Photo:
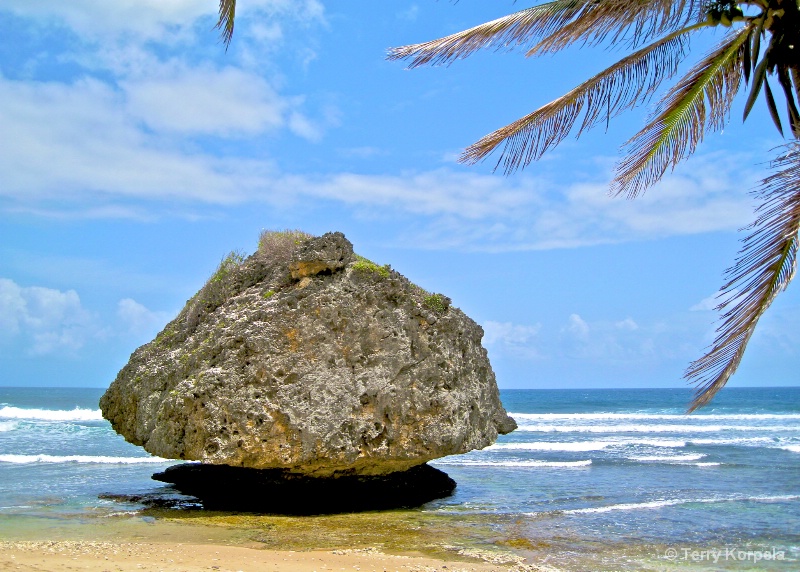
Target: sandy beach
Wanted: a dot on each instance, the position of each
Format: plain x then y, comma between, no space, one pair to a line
169,557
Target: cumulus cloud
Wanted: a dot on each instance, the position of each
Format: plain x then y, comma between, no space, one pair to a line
76,142
617,342
613,341
88,145
51,321
516,339
148,20
126,138
706,304
627,324
48,321
577,326
177,99
138,319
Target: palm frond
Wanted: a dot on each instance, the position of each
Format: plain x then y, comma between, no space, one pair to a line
555,25
635,21
516,29
699,102
622,86
784,78
765,266
227,15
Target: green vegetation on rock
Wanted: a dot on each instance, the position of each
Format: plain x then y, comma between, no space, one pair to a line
365,265
227,265
436,302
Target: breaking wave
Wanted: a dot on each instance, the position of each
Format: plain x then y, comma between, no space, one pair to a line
77,414
105,460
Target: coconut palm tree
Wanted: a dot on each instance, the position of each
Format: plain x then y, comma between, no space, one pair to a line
763,43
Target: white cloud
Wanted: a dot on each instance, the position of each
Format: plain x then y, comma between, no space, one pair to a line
512,338
730,299
706,304
577,326
84,145
627,324
202,100
50,320
612,341
126,146
145,20
52,158
440,192
626,341
76,142
138,319
12,307
608,342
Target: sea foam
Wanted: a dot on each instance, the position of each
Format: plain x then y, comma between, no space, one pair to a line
548,446
105,460
674,502
660,416
668,458
645,428
481,463
77,414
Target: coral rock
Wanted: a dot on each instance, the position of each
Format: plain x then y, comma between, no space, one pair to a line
321,367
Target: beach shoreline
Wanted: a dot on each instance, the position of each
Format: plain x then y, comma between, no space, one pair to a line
173,557
231,542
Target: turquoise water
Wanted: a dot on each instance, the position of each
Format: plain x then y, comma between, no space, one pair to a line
619,475
629,467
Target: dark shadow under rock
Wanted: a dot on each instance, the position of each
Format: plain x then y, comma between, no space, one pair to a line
222,487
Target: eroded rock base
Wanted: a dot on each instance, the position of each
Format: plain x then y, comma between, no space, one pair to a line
240,489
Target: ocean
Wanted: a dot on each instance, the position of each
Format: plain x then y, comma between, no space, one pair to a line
602,479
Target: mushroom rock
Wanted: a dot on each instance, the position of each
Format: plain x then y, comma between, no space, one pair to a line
309,359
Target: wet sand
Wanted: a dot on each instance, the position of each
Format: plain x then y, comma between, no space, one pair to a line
229,542
173,557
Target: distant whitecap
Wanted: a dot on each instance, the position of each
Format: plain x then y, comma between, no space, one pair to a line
77,414
480,463
105,460
668,458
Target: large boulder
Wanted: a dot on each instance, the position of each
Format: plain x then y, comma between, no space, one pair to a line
308,358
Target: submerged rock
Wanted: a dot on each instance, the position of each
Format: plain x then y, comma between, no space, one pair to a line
307,358
220,487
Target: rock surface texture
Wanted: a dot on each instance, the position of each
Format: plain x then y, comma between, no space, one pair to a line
308,358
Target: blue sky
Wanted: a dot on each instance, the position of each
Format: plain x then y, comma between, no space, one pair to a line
135,153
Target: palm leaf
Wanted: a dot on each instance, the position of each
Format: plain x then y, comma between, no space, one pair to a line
773,109
227,15
619,87
759,79
637,21
700,101
557,24
765,266
515,29
794,115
